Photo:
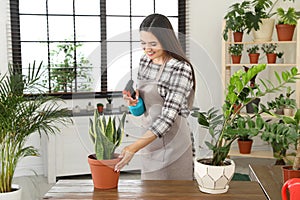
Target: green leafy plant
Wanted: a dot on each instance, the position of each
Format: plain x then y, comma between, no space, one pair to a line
106,135
269,48
236,49
287,17
224,127
280,54
253,49
66,71
21,117
235,18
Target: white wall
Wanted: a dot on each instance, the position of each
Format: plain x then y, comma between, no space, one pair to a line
3,46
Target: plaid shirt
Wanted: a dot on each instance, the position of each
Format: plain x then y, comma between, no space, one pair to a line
174,87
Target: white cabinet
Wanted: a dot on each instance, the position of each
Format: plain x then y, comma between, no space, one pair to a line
67,152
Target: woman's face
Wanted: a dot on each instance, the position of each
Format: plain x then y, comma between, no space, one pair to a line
152,47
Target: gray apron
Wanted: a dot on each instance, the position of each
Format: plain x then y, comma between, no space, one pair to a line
169,157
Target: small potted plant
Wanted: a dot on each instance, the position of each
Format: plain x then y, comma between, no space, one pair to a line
235,21
100,107
280,58
270,50
253,54
106,134
224,129
236,51
286,23
289,104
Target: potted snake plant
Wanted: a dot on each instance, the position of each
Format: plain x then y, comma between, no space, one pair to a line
106,134
224,128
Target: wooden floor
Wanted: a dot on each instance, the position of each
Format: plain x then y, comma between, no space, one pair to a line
152,190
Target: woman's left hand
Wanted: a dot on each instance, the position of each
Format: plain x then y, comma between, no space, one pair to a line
126,156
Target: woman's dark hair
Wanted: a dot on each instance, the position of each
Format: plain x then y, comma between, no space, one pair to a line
160,26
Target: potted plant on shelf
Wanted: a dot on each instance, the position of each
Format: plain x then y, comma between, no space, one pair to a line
100,107
270,50
253,54
109,105
106,134
280,59
222,127
23,114
286,23
236,51
235,21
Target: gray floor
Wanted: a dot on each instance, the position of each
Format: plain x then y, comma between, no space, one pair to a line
34,187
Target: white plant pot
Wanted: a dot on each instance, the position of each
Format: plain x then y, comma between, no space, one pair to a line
280,60
14,195
109,106
288,111
265,32
213,179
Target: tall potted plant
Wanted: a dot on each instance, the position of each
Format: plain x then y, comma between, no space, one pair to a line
106,135
22,116
222,127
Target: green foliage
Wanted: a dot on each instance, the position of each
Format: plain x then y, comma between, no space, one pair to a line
235,18
287,17
269,48
280,54
236,49
21,116
106,135
253,49
225,127
66,68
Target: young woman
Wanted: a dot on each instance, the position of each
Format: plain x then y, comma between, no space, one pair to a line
166,84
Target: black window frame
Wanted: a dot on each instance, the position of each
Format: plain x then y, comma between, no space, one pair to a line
17,54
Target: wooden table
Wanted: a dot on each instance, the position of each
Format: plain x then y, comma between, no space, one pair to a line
156,190
270,179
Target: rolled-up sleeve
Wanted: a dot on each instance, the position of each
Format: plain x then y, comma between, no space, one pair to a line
175,91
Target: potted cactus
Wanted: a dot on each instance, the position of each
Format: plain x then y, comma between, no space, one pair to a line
106,134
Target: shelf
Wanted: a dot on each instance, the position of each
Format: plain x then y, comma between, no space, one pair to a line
269,65
254,153
252,42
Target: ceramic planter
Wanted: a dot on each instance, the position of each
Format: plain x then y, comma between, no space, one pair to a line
103,174
265,32
288,111
285,32
16,194
289,173
245,146
213,179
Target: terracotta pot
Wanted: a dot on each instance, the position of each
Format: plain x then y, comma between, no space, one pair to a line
100,109
271,57
236,59
238,36
289,173
236,108
245,146
253,57
103,174
285,32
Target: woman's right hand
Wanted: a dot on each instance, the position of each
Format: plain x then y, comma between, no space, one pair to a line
127,97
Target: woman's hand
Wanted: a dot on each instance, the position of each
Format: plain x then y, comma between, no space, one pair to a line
129,99
126,156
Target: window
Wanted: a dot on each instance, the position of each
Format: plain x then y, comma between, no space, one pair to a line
85,46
